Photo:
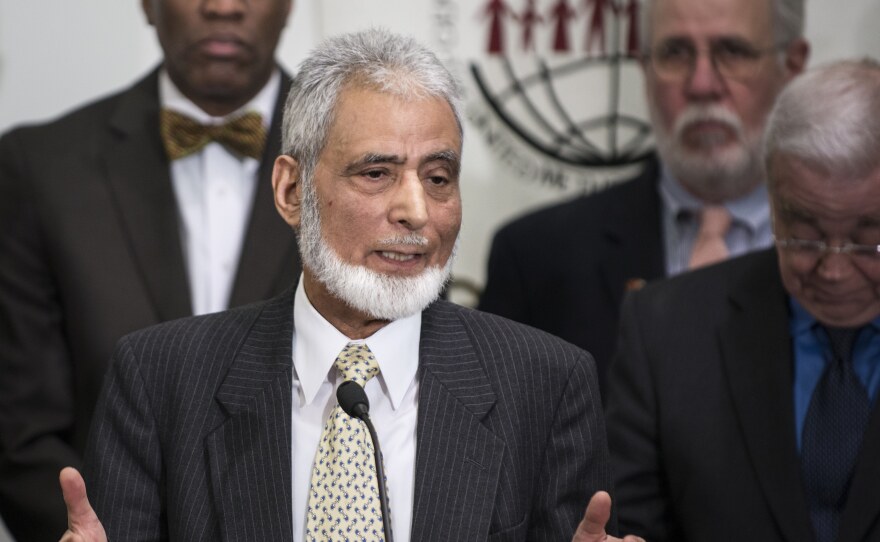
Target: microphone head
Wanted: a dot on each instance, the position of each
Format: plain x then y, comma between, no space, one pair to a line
353,399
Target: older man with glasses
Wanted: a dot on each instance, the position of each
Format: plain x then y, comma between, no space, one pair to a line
742,402
713,69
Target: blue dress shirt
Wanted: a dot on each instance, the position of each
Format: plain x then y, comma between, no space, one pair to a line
812,352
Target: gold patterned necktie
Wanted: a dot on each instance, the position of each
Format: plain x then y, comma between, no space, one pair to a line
182,135
344,492
710,247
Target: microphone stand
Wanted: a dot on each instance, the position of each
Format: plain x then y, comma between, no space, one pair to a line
353,400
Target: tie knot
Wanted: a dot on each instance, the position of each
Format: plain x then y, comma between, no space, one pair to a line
357,363
842,340
714,221
182,135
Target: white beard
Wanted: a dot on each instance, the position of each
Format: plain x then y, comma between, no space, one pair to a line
384,297
712,174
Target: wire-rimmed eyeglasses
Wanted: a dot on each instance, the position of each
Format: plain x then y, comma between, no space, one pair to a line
732,58
817,249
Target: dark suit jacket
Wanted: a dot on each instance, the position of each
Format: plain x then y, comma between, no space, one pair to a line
90,246
700,414
564,269
192,434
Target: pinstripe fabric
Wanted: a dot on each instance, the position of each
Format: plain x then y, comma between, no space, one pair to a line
511,441
191,440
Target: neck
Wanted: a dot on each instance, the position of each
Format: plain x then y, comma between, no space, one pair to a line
220,100
352,323
721,190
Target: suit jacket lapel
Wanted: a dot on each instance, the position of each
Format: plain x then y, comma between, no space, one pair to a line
140,183
249,454
634,246
458,459
267,251
755,347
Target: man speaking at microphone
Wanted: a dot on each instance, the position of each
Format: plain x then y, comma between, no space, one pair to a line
227,427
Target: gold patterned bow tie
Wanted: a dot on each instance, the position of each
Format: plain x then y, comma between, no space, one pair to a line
182,136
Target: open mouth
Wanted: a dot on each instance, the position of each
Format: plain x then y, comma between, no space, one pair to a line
398,256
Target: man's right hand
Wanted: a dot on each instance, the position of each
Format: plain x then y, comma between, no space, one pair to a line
82,522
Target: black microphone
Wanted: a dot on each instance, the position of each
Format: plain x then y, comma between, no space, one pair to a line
353,400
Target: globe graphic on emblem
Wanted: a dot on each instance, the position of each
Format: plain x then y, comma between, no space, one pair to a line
583,106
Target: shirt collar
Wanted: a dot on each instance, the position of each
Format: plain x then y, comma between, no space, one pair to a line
170,97
804,322
316,344
750,210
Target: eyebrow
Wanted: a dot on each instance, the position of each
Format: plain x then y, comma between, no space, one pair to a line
449,156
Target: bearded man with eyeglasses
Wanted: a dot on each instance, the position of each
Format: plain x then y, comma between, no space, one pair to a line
742,401
712,69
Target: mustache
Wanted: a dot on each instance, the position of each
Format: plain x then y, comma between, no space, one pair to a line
411,239
703,113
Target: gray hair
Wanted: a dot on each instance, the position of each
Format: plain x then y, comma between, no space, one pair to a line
829,118
375,59
788,22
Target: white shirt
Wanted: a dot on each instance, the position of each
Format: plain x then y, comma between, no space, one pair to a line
215,191
393,396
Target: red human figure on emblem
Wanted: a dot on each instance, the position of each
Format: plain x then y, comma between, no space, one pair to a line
596,28
496,10
528,19
561,13
632,38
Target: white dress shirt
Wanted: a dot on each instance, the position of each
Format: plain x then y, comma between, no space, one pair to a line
393,396
215,191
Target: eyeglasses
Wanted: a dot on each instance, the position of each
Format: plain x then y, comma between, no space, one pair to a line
817,249
732,58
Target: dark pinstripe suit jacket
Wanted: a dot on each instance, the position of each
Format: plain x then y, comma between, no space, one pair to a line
192,433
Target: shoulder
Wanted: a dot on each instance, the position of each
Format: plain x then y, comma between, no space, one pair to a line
77,125
215,338
710,286
501,342
582,214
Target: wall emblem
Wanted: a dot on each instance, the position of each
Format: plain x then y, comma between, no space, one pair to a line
557,88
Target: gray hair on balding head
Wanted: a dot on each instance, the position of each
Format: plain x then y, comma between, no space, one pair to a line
829,118
372,59
788,22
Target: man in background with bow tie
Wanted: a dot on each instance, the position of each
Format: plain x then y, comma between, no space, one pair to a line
152,204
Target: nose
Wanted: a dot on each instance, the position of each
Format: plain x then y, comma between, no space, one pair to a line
705,82
223,8
834,266
409,205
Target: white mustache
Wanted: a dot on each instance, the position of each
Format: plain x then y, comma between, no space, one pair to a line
702,113
412,239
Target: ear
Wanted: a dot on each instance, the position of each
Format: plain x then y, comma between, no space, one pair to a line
150,11
287,189
796,56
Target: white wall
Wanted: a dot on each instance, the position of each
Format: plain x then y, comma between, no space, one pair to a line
56,54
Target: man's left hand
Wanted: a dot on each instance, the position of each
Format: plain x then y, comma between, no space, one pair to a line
592,527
